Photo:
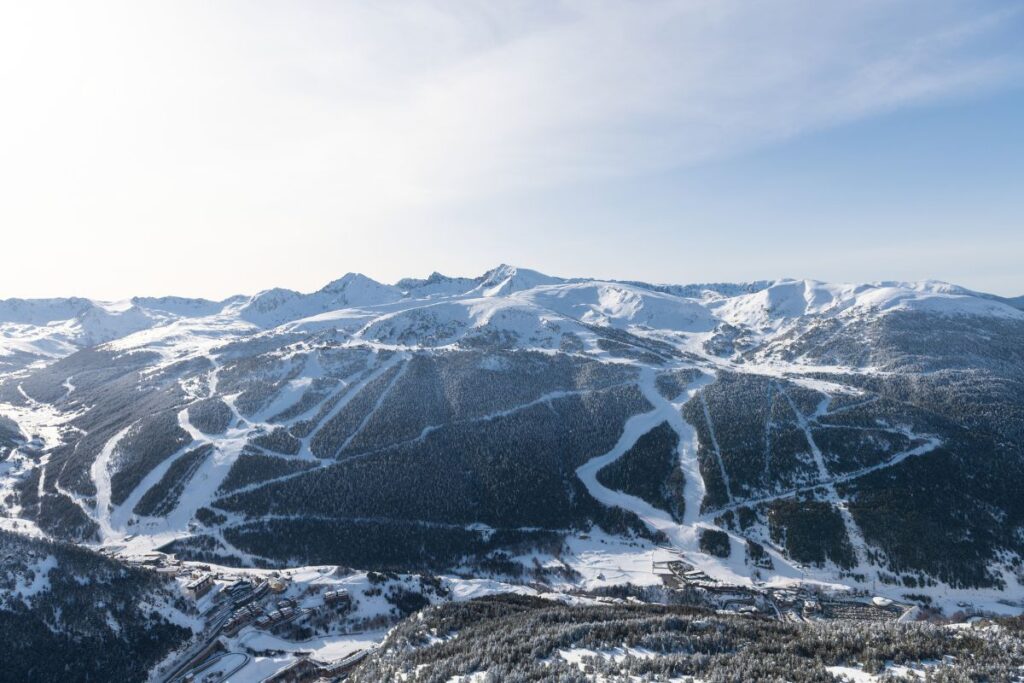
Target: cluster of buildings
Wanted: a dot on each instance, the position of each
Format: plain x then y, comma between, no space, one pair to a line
230,601
679,574
286,611
244,596
165,566
240,617
239,599
281,612
244,590
795,603
239,590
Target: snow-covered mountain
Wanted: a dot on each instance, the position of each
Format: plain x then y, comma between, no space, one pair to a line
506,301
850,433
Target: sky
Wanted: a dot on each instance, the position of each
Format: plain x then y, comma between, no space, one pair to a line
211,148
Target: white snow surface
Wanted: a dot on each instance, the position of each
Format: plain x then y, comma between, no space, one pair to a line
786,300
523,302
36,579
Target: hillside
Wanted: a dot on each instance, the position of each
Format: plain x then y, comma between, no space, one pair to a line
68,614
532,639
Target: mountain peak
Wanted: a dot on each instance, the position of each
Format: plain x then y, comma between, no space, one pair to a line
505,279
506,270
348,280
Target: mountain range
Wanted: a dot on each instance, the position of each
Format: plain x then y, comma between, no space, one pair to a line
502,425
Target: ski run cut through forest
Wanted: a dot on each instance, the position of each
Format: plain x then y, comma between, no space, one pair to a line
515,476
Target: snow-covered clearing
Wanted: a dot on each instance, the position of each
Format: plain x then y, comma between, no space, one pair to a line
27,587
855,674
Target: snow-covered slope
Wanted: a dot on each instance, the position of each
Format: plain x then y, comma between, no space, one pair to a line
437,285
788,300
72,614
624,306
507,279
276,306
519,304
287,425
46,329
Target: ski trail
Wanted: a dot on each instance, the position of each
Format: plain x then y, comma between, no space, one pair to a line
75,498
819,460
117,521
214,376
858,428
123,513
205,481
42,427
32,402
926,447
546,399
671,412
635,427
248,558
100,473
714,444
683,537
852,406
852,530
377,404
348,392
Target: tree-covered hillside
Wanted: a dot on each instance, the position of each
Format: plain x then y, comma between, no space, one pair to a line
68,614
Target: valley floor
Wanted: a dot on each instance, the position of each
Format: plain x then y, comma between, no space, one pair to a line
319,638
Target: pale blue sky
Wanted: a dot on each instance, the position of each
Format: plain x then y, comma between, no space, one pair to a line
207,149
931,192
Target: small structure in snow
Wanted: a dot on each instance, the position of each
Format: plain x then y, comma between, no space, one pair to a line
337,597
200,587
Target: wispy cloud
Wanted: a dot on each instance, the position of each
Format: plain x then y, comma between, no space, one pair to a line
121,114
427,101
587,89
